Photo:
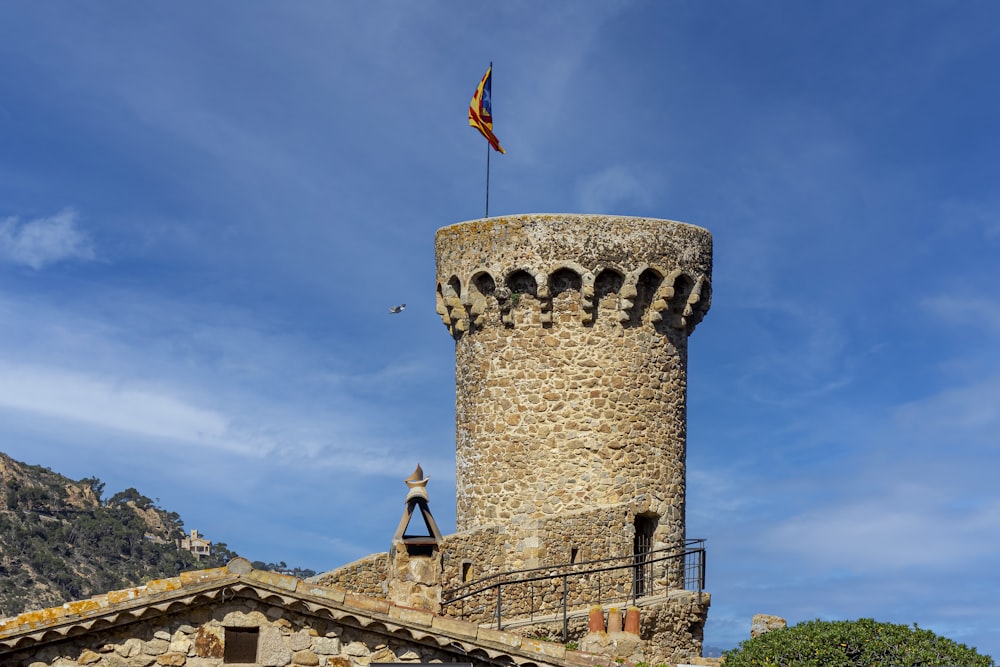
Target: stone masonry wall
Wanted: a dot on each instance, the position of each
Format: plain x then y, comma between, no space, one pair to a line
672,630
366,576
196,638
571,353
472,555
596,535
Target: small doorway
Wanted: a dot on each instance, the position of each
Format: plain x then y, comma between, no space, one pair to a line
642,577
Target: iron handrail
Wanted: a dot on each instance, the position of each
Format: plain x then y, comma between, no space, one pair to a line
692,559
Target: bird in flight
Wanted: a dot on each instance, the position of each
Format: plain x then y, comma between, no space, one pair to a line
397,309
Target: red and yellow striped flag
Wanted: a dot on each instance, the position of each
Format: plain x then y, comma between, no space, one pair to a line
480,110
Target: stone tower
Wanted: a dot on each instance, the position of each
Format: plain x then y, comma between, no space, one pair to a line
571,379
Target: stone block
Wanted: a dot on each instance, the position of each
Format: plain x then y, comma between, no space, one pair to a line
366,603
548,649
284,581
411,616
326,645
305,658
163,585
454,627
272,650
509,639
763,623
333,593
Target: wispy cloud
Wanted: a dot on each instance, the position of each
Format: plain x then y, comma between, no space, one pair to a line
980,312
189,377
970,413
108,403
904,527
42,241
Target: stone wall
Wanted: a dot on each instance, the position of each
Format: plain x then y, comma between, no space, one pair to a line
472,555
671,630
366,576
581,538
675,631
197,638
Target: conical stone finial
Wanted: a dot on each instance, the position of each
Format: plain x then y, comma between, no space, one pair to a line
417,484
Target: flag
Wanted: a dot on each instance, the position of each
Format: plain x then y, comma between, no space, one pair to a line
480,110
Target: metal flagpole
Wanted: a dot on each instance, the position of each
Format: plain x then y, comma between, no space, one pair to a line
487,179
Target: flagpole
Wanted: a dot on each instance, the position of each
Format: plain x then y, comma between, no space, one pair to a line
488,150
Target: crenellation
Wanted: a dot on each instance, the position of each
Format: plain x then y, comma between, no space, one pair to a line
582,292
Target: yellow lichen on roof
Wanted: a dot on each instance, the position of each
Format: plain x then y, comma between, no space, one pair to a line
199,576
39,617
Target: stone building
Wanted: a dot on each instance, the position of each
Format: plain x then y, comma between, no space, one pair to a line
196,543
571,383
238,615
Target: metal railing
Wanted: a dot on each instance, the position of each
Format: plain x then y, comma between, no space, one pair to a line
554,589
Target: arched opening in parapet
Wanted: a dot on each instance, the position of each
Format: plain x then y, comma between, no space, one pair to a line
678,303
521,285
439,297
564,290
674,322
448,305
522,282
645,291
564,280
642,545
607,286
607,282
484,283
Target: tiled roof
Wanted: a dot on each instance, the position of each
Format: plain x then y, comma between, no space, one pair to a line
199,587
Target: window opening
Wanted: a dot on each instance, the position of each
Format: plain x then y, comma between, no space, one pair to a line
241,645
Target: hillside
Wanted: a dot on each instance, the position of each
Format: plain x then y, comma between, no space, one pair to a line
60,541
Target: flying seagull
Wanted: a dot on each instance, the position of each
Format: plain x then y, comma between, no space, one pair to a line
397,309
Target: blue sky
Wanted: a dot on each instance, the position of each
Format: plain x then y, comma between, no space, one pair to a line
206,210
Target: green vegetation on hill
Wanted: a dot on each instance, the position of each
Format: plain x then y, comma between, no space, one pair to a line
860,643
60,541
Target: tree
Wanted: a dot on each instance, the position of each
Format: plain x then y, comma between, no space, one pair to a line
860,643
96,486
130,495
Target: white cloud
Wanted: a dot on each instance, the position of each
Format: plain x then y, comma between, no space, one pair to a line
128,407
42,241
905,526
107,403
972,311
969,414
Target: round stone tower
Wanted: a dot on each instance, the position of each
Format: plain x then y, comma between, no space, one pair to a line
571,374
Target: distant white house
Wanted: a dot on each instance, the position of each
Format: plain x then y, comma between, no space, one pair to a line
196,544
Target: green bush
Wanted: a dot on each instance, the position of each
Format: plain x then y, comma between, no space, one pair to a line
860,643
